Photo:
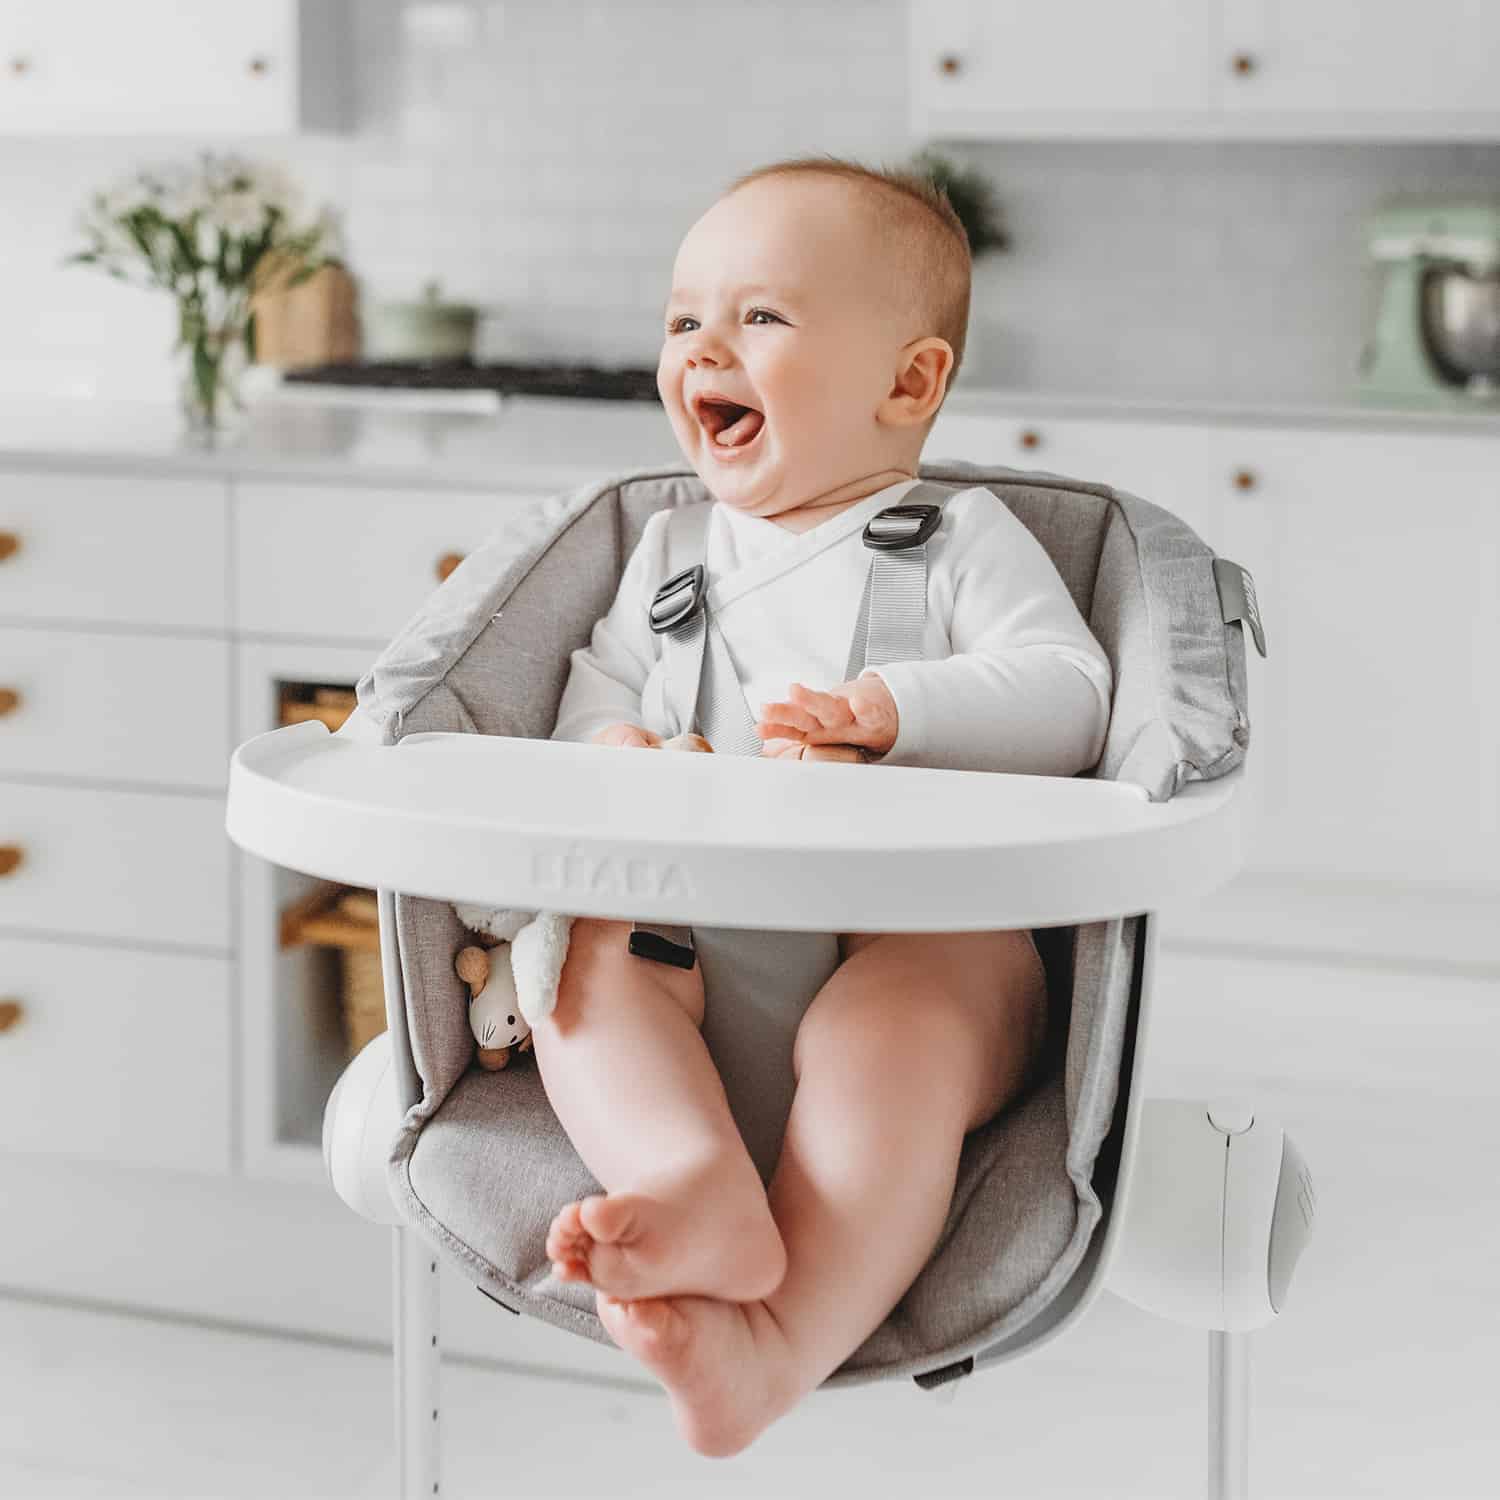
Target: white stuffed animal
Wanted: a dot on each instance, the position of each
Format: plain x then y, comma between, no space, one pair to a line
513,985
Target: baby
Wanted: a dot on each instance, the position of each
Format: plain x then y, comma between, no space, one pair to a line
816,317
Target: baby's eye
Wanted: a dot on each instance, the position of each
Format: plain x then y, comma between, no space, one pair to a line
764,312
675,325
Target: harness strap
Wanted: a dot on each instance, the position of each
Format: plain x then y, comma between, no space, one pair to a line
892,620
703,688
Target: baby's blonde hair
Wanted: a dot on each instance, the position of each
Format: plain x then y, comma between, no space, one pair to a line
927,238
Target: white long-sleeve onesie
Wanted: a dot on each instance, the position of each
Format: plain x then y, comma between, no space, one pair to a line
1012,679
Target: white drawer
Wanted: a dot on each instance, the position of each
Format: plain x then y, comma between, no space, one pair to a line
1192,470
116,1054
95,548
350,564
131,866
141,708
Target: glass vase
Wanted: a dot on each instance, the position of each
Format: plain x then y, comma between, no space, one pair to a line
213,362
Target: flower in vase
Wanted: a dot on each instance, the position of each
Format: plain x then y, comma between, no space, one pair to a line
213,233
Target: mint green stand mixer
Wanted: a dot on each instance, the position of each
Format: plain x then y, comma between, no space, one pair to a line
1436,337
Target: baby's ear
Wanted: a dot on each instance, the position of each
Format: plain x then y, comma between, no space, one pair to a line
921,381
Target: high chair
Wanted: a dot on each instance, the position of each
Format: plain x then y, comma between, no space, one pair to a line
443,787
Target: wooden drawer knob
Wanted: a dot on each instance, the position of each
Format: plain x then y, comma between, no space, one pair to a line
20,66
446,564
11,856
10,544
1030,438
949,65
11,1011
259,66
1243,64
10,701
1244,479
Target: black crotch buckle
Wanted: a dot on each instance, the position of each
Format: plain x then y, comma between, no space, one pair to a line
678,599
900,527
662,945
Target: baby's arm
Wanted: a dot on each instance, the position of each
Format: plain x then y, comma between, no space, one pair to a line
1027,688
602,698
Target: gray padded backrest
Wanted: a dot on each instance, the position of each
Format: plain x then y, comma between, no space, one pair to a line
481,1165
1140,577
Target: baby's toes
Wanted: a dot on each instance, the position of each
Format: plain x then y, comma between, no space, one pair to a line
610,1219
567,1239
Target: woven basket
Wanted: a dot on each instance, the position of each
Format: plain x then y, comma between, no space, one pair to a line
363,997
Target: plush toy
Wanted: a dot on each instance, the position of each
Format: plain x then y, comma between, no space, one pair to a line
511,990
494,1011
513,983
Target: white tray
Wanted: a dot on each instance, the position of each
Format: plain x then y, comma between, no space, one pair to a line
724,841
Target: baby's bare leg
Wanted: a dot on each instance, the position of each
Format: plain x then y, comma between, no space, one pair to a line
914,1041
627,1073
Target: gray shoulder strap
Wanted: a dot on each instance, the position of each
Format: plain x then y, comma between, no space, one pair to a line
703,689
892,620
687,534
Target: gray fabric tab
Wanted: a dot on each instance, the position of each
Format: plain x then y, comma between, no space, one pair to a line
1237,599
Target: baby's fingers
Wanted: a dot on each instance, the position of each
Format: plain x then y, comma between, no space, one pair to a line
789,719
831,710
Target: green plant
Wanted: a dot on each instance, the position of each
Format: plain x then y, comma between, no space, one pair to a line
213,234
973,199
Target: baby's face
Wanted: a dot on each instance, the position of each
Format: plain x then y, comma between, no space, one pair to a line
782,310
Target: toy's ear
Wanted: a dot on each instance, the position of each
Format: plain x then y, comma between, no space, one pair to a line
473,967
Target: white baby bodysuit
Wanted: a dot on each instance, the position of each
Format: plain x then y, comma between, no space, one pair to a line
1012,680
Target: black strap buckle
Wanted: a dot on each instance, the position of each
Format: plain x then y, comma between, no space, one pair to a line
900,527
678,599
661,945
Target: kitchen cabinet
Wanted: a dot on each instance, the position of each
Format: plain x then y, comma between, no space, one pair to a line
1352,68
119,1055
112,549
76,67
293,1045
1009,58
1194,69
360,561
1379,559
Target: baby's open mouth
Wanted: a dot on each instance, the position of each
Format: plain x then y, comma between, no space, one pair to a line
728,423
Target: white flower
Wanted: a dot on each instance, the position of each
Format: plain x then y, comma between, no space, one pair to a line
240,213
121,200
183,193
207,240
278,190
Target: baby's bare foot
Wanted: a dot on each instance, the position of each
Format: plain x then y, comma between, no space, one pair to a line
690,1239
726,1365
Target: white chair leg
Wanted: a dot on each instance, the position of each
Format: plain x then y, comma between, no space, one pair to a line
415,1325
1228,1415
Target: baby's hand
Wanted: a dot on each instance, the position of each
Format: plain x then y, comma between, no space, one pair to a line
856,717
632,736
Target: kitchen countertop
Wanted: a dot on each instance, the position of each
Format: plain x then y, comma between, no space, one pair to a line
538,442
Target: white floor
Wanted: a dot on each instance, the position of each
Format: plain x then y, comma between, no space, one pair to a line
1380,1380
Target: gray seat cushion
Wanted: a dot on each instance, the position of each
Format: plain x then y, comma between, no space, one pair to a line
481,1164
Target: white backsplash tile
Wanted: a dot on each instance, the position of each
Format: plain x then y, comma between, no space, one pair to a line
546,159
